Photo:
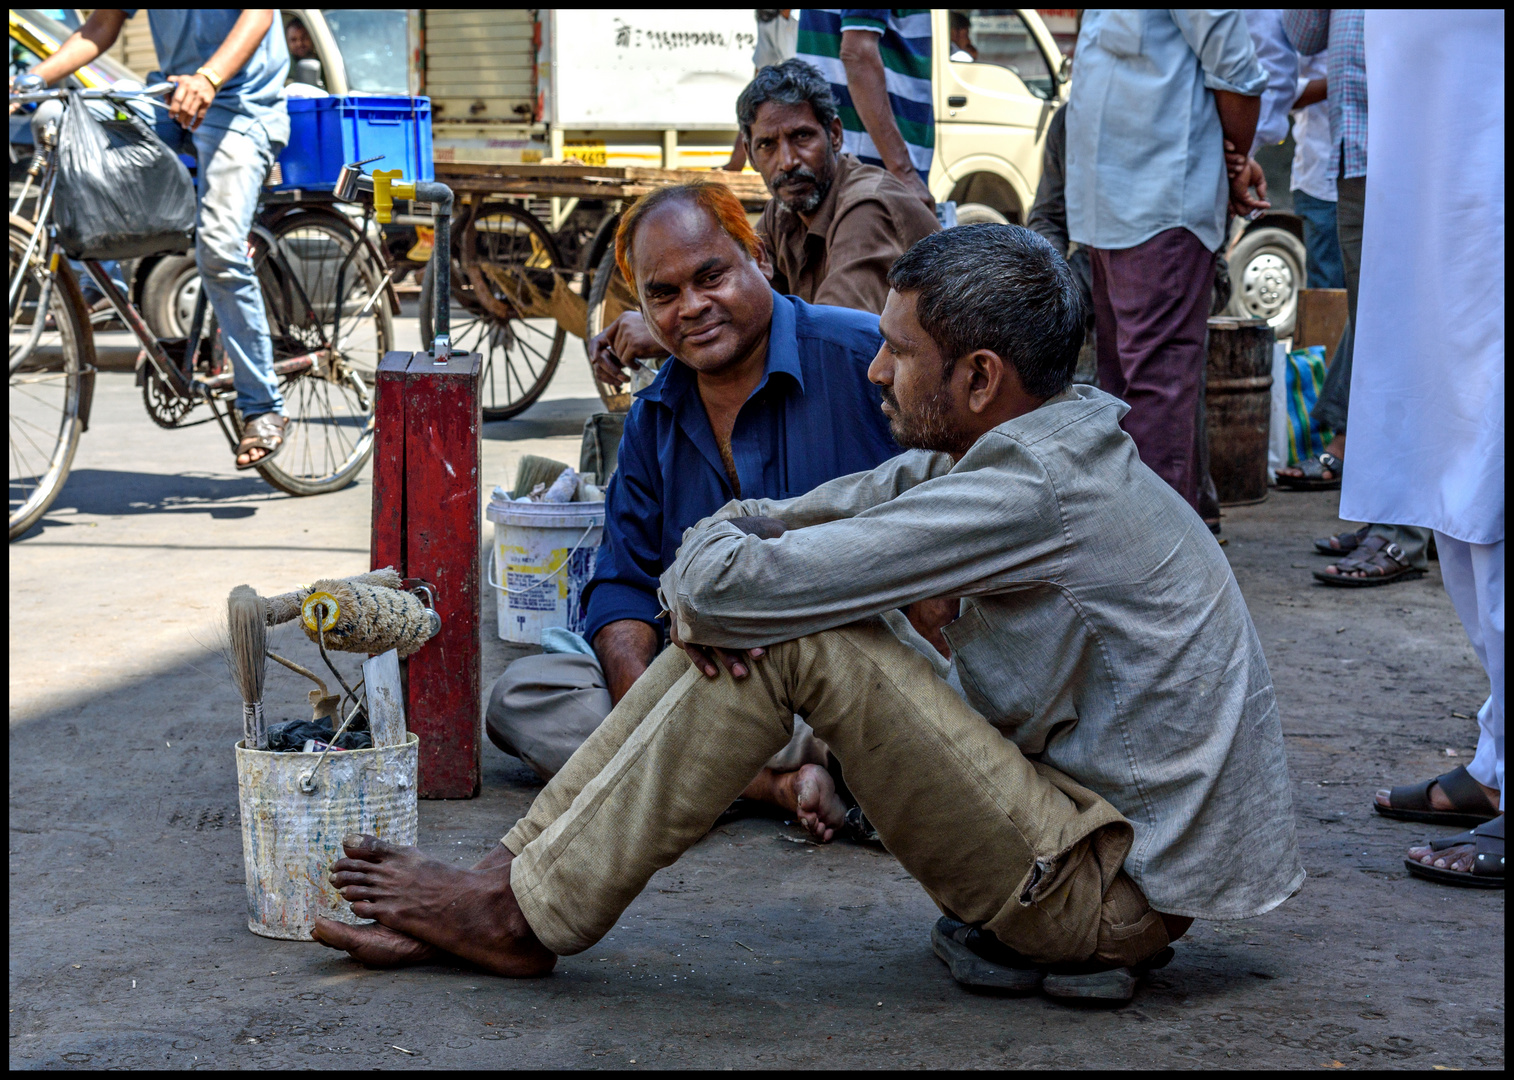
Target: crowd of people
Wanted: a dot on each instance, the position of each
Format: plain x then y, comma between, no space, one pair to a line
873,556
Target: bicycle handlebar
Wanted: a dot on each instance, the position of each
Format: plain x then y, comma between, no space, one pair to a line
92,95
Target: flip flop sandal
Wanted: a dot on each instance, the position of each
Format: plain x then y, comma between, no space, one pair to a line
263,432
1313,479
1411,802
1375,553
1347,541
980,961
1090,983
1487,864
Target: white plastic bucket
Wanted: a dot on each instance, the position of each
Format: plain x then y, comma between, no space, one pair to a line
290,836
543,557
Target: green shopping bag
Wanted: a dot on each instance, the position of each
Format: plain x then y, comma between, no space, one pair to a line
1305,377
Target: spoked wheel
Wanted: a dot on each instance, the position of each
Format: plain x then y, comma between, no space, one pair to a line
52,354
506,281
609,296
323,286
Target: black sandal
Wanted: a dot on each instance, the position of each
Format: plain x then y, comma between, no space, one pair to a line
1375,553
1347,542
980,961
1487,864
1313,479
1411,802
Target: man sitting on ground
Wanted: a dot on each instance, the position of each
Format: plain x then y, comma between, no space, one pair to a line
1102,763
769,397
833,227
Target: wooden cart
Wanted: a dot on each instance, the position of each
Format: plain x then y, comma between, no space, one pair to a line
520,294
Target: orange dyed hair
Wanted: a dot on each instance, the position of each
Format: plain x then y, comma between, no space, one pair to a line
714,198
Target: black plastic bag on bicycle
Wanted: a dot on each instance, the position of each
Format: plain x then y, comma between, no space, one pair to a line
122,193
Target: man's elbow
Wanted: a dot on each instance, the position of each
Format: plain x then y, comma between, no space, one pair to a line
859,47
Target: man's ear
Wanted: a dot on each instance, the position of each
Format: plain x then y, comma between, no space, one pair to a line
763,260
988,378
836,134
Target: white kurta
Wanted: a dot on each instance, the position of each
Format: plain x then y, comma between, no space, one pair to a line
1426,441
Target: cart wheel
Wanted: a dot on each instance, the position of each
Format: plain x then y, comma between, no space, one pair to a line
504,284
609,296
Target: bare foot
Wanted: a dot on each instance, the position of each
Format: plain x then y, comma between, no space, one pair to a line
471,914
375,946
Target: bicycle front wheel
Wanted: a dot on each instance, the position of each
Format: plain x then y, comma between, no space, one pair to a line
325,293
51,367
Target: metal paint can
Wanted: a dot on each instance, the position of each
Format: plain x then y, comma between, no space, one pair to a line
290,837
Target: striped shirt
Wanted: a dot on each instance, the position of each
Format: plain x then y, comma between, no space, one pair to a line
905,44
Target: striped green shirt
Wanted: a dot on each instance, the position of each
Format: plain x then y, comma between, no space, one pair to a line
905,44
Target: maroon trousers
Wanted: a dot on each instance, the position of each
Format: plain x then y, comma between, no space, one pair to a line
1151,312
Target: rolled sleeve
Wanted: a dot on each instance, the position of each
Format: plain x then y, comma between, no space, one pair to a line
871,19
1222,42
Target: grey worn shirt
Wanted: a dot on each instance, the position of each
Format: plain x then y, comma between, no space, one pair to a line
1101,630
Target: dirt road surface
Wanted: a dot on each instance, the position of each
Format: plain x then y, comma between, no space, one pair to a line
128,939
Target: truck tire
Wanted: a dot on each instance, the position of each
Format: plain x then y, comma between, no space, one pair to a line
168,295
1266,274
974,213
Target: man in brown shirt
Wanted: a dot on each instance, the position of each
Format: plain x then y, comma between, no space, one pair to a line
834,225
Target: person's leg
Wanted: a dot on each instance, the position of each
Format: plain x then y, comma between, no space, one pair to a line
942,786
1321,242
1473,575
1209,497
1159,292
233,166
1111,379
1335,396
543,708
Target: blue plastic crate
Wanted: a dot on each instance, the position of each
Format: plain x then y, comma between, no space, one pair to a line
325,133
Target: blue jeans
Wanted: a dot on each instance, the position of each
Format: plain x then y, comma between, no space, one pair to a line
1326,270
232,168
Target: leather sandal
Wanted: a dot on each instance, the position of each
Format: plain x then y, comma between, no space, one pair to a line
1411,802
1377,554
1342,543
263,432
1313,469
1487,864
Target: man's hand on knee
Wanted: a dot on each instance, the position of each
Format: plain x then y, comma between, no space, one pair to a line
707,657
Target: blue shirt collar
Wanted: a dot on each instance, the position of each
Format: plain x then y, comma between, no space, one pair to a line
674,379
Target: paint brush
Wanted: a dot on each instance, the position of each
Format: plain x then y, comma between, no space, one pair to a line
247,648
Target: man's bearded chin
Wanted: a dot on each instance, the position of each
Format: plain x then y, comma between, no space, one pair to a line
813,199
928,427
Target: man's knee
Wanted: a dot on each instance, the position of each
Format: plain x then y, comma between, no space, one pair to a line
543,708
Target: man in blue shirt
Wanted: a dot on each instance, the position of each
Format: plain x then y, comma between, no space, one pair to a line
228,108
768,398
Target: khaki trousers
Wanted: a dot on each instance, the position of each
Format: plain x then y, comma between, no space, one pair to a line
993,838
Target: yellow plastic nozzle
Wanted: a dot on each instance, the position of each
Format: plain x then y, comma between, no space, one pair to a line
386,187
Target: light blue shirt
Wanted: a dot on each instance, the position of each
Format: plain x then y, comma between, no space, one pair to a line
1279,60
1145,151
186,38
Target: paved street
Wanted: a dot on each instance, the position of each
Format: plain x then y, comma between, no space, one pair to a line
128,938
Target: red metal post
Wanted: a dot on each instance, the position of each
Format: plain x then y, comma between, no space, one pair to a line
425,508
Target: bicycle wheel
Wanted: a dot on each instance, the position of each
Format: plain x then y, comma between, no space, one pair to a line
505,285
52,354
323,288
609,296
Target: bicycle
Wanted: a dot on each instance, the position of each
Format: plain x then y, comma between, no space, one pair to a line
325,291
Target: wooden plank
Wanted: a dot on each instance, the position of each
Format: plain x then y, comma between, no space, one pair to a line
388,529
1322,315
442,544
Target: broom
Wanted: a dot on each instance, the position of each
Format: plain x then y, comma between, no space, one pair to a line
247,646
532,470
